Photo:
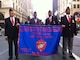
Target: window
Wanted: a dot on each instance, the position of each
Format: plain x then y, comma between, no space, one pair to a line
16,7
74,0
77,0
1,16
0,4
16,1
78,6
74,5
19,9
13,5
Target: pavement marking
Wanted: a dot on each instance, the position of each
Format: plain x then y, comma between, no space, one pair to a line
1,53
77,36
77,45
77,58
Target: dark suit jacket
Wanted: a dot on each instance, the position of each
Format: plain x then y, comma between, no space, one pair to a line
32,21
54,21
70,28
11,31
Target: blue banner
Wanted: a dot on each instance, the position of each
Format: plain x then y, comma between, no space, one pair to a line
39,40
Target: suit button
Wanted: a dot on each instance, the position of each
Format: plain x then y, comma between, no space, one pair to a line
69,24
69,28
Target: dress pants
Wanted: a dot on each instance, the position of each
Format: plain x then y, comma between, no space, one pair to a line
10,43
67,43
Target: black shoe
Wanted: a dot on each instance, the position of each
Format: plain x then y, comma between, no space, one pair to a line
64,57
10,58
72,57
17,58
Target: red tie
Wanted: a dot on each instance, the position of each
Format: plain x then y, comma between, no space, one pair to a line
69,19
12,21
35,22
50,20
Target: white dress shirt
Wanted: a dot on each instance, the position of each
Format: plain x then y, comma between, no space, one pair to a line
67,16
35,20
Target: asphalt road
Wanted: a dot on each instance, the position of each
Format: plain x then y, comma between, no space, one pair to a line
76,51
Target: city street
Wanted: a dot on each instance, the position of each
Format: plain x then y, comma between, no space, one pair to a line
4,51
39,12
76,47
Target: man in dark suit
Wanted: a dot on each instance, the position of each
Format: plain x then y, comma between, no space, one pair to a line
28,20
51,20
11,33
69,29
35,20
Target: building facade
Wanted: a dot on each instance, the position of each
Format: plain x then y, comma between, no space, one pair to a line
76,6
30,8
73,4
55,6
19,7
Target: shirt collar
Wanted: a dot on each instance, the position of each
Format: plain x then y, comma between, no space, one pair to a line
12,17
68,15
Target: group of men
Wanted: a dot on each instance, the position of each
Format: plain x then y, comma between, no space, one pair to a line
67,21
51,20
